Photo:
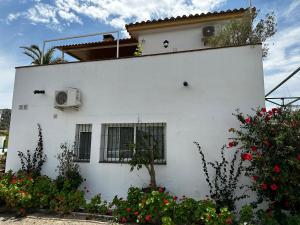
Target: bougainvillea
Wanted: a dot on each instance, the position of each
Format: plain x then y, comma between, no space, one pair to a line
270,143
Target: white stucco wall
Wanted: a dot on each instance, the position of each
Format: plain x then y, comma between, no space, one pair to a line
144,89
180,38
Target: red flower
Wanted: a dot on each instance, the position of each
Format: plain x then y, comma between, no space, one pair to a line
148,218
255,178
161,190
253,148
276,169
247,156
264,186
166,202
274,187
232,144
175,198
136,213
275,110
248,120
263,110
128,210
229,221
298,157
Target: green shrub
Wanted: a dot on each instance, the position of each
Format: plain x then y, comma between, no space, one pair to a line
69,178
43,191
67,202
96,205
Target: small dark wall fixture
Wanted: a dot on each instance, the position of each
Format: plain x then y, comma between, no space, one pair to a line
166,43
185,84
38,92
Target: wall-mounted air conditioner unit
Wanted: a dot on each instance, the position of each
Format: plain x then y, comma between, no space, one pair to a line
69,98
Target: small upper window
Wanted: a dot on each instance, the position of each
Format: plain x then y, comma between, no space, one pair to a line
121,140
83,142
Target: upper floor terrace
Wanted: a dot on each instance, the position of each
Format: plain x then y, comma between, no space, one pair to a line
169,35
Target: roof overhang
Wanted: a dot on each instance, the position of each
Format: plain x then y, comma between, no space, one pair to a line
134,28
100,50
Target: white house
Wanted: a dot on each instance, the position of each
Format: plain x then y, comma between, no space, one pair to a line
179,90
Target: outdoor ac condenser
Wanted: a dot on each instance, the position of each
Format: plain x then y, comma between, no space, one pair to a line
69,98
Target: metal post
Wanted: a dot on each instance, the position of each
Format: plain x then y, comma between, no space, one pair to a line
43,51
118,37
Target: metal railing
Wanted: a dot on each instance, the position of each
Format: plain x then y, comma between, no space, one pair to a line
82,36
283,103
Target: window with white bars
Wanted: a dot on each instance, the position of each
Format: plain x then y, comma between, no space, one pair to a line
83,140
120,140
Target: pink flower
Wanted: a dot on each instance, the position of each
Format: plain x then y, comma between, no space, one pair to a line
248,120
274,187
148,218
247,156
175,198
136,213
253,148
161,190
264,186
276,169
255,178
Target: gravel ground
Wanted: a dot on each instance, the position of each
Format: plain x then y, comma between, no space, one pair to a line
36,219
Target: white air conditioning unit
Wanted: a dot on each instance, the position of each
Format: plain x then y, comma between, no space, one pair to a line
69,98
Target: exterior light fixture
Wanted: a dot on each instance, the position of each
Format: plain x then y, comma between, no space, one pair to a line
166,43
185,84
38,92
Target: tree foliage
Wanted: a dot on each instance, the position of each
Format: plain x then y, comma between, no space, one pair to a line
37,56
145,153
246,31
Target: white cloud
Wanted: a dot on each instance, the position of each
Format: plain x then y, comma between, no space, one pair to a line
112,12
294,5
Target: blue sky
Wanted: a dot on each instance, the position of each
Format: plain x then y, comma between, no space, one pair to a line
26,22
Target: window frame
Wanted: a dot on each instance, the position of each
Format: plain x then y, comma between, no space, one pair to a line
104,146
88,128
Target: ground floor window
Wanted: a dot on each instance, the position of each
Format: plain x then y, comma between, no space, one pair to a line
83,140
119,141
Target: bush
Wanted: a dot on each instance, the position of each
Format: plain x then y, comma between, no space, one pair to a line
14,191
43,191
67,202
96,205
69,177
32,163
271,147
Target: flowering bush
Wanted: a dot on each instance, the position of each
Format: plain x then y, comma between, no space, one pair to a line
270,142
14,190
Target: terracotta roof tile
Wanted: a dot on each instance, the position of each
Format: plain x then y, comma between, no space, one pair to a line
185,17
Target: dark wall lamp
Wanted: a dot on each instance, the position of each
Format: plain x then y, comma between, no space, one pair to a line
185,84
38,92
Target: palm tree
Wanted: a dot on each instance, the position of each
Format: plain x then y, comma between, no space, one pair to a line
37,56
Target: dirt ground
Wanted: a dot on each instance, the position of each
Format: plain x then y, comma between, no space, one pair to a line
38,219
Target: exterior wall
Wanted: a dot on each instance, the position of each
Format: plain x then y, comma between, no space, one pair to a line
141,89
180,39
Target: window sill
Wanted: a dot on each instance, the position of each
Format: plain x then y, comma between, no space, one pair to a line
81,160
118,162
